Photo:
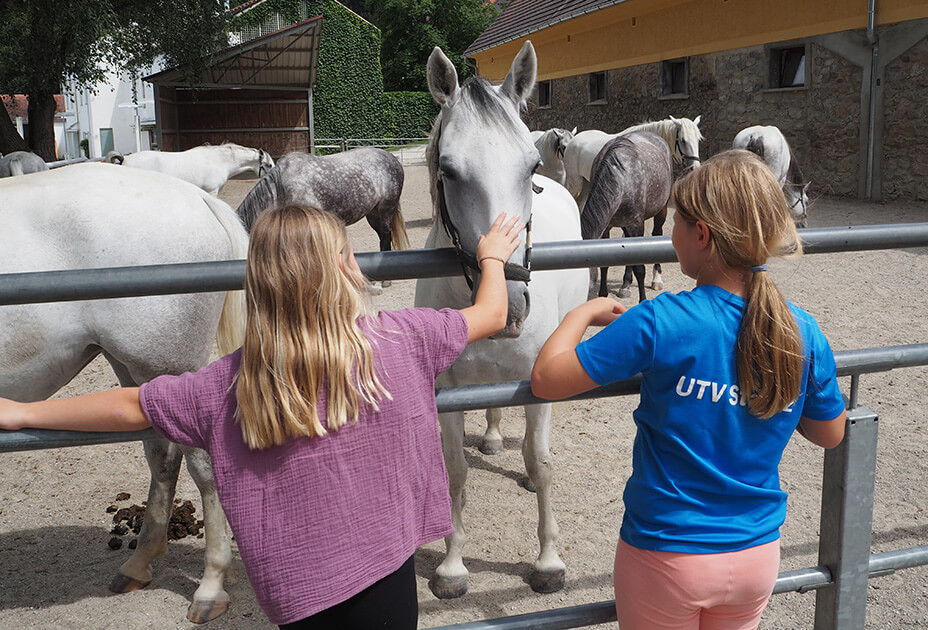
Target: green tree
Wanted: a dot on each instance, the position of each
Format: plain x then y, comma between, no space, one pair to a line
45,42
411,28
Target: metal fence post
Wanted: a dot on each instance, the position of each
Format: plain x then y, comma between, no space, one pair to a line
846,524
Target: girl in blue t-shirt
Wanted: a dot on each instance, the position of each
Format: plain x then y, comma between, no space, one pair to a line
729,371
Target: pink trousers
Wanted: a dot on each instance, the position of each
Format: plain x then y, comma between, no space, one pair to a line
720,591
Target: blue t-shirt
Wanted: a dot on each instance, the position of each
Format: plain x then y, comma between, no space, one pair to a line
705,473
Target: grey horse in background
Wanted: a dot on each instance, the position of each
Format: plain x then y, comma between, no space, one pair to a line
361,183
20,163
631,180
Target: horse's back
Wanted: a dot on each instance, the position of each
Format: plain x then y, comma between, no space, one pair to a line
769,143
101,215
349,184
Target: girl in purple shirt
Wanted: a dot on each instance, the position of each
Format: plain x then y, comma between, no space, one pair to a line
322,429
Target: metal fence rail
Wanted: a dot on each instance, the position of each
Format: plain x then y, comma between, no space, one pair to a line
92,284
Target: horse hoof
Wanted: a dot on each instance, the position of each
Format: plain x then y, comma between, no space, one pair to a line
657,286
526,482
547,581
386,283
125,584
201,612
491,447
624,292
375,290
448,588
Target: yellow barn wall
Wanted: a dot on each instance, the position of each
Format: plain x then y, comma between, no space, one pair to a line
644,31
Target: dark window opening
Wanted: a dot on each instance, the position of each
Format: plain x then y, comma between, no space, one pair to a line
544,94
597,87
675,77
788,67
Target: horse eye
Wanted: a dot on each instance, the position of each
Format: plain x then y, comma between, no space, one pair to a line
536,167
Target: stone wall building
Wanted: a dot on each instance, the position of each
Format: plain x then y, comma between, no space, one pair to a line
805,68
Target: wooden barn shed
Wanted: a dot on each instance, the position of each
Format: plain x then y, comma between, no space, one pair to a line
258,93
844,80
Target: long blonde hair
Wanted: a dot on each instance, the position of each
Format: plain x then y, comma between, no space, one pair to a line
303,301
738,198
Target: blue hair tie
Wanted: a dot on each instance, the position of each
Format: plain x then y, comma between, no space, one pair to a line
757,268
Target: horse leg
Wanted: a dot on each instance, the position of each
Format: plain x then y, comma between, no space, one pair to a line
375,220
548,570
625,290
657,283
210,600
638,270
603,272
492,441
164,462
450,578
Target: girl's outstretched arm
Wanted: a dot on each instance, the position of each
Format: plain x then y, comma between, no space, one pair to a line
825,433
110,410
488,314
558,372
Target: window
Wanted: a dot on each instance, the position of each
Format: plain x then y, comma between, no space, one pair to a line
787,67
675,74
597,87
106,141
544,94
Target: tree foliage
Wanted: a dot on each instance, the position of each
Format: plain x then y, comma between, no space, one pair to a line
43,43
411,28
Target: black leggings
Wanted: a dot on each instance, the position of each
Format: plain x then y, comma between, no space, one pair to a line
390,604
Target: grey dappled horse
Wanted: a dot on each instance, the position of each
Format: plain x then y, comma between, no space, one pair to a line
363,183
631,181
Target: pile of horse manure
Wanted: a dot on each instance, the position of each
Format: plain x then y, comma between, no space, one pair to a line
129,519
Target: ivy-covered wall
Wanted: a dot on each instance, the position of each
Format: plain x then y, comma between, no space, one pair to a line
409,114
348,99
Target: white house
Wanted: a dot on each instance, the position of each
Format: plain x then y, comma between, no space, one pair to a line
115,115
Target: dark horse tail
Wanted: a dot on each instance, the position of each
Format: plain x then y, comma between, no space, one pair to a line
606,188
261,197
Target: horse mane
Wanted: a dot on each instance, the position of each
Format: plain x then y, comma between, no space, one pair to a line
477,97
668,129
793,172
260,198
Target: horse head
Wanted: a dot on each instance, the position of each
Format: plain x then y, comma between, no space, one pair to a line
481,160
686,145
265,163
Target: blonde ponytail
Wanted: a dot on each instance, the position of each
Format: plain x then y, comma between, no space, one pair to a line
737,197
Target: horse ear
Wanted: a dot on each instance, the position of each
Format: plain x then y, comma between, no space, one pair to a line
674,119
573,131
696,121
519,82
442,77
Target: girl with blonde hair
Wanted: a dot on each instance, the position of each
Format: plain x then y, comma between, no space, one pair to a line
729,371
322,429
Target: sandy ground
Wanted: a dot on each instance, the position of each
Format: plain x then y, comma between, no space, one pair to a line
54,529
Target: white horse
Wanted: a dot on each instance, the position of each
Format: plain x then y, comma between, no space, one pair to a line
769,143
481,159
551,145
681,134
100,215
208,166
21,162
